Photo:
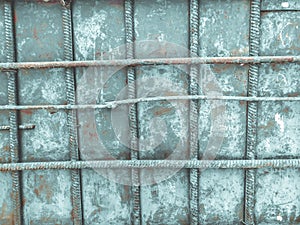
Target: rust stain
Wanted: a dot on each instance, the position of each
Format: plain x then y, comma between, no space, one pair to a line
162,111
37,192
23,201
286,110
293,95
73,216
3,210
6,148
43,189
166,155
240,210
15,17
52,111
269,125
27,111
242,103
35,35
183,222
240,51
275,67
126,194
124,155
93,135
8,217
170,93
221,68
106,157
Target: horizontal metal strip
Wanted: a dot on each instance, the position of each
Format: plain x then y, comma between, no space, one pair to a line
157,61
21,127
114,104
200,164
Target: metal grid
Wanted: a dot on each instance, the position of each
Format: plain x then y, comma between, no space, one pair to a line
250,163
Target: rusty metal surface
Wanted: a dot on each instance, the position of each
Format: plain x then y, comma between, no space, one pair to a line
99,28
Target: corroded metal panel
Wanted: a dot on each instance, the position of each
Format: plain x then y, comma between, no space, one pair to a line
116,29
98,29
277,198
221,192
164,202
46,193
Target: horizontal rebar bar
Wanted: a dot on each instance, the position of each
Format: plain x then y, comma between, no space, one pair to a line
200,164
114,104
157,61
21,127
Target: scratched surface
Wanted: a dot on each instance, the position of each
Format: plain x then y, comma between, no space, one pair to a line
161,30
278,124
277,5
46,193
98,29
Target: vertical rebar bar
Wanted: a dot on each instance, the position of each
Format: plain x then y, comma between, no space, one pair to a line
129,36
194,108
13,116
71,117
251,136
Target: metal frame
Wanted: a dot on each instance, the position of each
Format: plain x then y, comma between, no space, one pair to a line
250,163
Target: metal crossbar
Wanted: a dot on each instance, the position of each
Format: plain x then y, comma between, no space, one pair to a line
114,104
176,164
21,127
147,62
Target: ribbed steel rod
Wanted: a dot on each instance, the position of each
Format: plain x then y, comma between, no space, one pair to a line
114,104
21,127
133,119
13,117
157,61
71,114
251,132
200,164
193,113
